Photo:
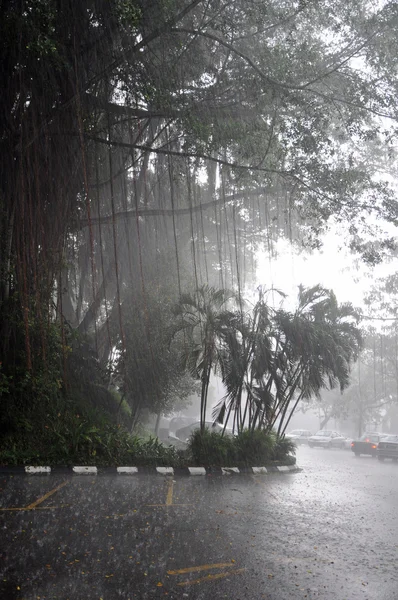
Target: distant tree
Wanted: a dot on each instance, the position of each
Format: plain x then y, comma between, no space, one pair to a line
146,365
332,404
373,385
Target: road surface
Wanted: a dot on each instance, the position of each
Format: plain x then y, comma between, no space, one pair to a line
329,532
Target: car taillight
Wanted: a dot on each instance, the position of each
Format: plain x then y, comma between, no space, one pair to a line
352,444
374,446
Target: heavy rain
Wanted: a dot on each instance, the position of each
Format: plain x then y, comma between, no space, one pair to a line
198,299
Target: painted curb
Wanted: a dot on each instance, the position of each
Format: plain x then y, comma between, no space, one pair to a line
260,470
165,471
127,470
229,470
38,470
197,470
85,470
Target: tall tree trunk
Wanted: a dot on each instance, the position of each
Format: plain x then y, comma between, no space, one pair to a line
325,421
282,432
157,424
89,317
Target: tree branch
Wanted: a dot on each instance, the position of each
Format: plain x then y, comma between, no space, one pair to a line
169,212
219,161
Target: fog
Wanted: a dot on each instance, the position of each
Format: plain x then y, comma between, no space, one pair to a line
198,299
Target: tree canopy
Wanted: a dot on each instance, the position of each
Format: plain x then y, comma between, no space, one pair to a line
143,141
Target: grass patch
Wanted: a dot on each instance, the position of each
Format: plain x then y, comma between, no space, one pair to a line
85,444
248,449
68,434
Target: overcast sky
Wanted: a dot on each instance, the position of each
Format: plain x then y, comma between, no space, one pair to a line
333,267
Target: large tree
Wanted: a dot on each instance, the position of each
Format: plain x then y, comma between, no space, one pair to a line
196,130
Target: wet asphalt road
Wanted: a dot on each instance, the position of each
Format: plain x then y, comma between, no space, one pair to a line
329,532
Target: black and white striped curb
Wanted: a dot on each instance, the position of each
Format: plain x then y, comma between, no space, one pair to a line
85,470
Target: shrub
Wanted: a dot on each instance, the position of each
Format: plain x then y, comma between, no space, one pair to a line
70,438
248,448
283,448
209,448
254,448
152,452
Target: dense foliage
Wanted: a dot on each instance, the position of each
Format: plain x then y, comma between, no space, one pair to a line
269,358
247,449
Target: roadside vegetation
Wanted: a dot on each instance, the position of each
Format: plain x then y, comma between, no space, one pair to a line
247,449
268,360
73,440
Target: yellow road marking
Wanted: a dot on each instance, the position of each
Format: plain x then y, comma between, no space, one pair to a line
200,568
211,577
169,498
35,508
40,500
168,505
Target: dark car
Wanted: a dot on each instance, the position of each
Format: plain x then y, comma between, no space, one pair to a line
367,443
388,448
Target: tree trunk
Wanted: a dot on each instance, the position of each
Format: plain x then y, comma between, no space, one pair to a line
325,421
5,291
157,424
290,416
89,317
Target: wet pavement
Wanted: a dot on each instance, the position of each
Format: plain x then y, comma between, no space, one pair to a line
329,532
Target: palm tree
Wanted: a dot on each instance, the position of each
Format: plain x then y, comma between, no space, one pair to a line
246,357
321,340
278,358
204,320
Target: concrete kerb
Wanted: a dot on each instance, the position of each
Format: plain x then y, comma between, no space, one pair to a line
190,471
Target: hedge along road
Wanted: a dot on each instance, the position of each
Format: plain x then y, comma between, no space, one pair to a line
275,537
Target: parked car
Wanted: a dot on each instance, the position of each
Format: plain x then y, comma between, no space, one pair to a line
347,443
388,448
299,436
367,443
178,444
179,422
327,439
184,432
